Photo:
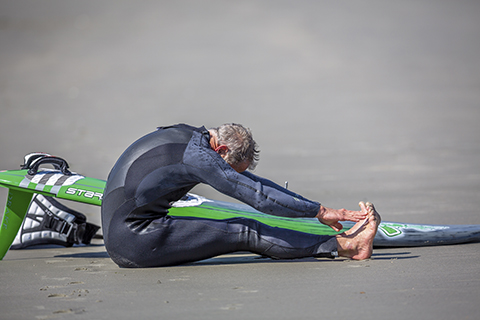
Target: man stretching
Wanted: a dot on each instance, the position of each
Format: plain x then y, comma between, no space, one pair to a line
161,167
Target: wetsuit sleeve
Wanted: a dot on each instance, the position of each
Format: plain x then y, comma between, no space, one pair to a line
262,194
273,199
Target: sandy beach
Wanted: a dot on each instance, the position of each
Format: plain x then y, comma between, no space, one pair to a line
349,102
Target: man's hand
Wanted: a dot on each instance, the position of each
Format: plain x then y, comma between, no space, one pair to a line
331,217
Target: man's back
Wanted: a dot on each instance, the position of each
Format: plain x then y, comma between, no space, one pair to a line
148,175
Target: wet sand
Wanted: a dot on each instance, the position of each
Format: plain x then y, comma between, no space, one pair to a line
368,101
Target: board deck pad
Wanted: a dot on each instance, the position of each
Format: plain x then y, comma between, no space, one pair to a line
76,187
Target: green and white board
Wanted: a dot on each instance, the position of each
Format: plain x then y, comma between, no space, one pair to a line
63,184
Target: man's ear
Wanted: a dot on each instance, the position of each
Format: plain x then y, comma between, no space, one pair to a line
222,150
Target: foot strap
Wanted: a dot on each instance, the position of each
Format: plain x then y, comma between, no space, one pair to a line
50,222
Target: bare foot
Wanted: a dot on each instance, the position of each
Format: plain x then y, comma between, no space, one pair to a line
361,223
357,243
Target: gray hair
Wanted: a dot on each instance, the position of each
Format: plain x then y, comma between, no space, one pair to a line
240,143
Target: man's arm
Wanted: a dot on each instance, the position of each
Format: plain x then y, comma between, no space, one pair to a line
262,194
280,196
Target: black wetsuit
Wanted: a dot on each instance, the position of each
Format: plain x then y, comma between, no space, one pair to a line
163,166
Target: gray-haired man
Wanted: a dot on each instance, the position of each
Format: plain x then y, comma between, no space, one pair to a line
161,167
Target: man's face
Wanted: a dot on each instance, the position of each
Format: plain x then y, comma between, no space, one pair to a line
241,166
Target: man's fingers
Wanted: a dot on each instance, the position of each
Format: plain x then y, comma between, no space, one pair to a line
361,215
355,216
337,226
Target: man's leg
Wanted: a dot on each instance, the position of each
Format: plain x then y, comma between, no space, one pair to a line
178,240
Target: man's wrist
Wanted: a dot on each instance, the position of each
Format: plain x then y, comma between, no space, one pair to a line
321,212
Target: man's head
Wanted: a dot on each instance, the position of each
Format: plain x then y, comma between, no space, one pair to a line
235,144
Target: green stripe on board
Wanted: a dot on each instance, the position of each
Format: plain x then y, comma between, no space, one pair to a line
217,213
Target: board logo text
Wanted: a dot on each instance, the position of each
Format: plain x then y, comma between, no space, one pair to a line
84,193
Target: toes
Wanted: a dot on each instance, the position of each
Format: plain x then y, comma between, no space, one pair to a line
373,212
370,207
362,206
